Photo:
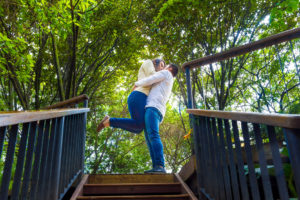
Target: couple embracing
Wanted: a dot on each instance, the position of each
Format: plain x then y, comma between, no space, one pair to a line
147,107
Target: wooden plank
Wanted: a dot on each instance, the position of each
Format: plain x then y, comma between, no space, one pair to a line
131,188
69,102
79,189
138,197
236,51
188,169
7,119
280,120
130,178
185,187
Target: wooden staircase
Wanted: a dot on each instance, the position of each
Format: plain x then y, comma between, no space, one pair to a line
133,186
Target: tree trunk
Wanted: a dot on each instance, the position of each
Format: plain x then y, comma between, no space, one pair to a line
38,70
58,72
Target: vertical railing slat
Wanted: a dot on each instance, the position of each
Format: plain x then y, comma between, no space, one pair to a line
57,159
29,158
204,150
219,174
281,182
49,166
45,155
77,148
251,169
20,163
224,161
73,129
213,182
293,143
85,105
74,145
37,158
69,161
8,162
197,143
263,164
233,173
81,137
240,163
63,179
2,136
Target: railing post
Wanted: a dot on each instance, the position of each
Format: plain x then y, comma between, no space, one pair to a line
196,128
57,158
2,135
189,87
85,105
293,143
8,163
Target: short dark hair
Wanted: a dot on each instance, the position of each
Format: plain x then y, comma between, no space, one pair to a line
174,69
157,61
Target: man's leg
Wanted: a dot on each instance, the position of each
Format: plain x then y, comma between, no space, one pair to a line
136,106
152,121
149,147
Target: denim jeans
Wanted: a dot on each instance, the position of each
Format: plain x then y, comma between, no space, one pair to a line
153,118
136,105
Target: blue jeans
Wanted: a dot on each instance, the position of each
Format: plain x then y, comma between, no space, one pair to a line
153,118
136,105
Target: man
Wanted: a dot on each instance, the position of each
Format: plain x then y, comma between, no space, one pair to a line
162,83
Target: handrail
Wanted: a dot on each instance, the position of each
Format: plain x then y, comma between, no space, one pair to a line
236,51
69,102
222,139
53,143
280,120
223,149
30,116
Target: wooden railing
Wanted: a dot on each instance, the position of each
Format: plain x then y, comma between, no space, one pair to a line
223,140
221,167
43,151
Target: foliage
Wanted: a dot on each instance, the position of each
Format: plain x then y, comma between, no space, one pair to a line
70,47
185,30
54,50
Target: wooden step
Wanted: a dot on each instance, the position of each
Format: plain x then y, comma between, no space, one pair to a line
130,178
138,197
132,188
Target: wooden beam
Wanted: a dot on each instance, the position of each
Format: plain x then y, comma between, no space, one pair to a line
79,189
11,118
188,169
186,189
236,51
280,120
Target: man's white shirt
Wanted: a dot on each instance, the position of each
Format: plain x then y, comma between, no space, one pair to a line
162,83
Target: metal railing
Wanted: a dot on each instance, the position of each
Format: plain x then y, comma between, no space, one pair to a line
43,151
225,142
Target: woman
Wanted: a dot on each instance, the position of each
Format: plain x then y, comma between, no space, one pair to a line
136,101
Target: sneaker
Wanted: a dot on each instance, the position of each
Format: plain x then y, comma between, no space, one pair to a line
156,170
